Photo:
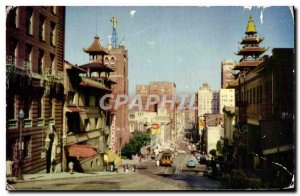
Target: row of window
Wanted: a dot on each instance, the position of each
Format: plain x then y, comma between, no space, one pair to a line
27,106
253,95
88,100
28,56
30,20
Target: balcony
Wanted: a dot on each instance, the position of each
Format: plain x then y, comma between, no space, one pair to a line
51,121
27,122
40,122
12,124
16,66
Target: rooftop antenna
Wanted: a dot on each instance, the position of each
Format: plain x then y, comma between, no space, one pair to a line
96,21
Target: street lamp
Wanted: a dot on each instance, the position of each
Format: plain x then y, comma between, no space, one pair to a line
21,117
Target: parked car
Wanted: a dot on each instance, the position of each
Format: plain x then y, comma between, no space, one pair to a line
191,163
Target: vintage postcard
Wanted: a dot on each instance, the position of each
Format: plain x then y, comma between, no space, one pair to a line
150,98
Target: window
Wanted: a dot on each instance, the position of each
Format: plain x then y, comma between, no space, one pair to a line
10,107
29,21
12,52
28,49
26,107
86,100
27,146
131,116
53,34
51,108
112,60
71,98
41,61
15,49
39,108
52,59
42,28
257,94
254,95
53,9
106,60
86,123
14,17
96,123
260,93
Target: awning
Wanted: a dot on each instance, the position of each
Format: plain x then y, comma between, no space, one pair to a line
82,151
113,157
74,109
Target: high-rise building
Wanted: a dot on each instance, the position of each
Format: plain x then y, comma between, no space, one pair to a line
208,100
227,98
227,72
34,67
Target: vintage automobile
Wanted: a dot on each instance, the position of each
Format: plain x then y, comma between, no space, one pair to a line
191,163
166,159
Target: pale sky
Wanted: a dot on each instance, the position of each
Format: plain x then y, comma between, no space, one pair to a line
184,45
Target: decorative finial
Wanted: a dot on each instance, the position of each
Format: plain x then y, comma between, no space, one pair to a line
114,22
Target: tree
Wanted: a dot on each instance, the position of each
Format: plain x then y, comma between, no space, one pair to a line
138,140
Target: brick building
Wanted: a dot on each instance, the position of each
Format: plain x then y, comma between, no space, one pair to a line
34,66
117,59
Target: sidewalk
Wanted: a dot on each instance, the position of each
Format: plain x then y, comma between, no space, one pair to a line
63,175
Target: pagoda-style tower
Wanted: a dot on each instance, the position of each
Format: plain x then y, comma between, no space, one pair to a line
96,69
251,50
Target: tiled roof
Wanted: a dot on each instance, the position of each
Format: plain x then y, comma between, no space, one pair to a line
95,47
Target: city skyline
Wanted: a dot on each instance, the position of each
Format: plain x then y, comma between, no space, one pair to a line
176,44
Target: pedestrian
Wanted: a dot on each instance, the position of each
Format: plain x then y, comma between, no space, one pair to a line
9,169
53,165
71,165
134,168
127,168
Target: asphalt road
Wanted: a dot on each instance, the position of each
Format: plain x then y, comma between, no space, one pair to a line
179,175
148,176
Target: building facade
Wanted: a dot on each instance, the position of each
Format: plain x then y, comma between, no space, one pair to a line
266,115
208,100
227,72
34,67
227,98
117,60
86,125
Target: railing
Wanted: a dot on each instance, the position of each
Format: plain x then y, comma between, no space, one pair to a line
13,69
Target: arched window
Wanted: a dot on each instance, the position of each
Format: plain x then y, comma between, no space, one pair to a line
112,60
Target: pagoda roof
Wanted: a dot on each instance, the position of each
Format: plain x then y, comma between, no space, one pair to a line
250,50
87,82
76,69
96,47
251,29
245,64
233,83
252,40
105,79
96,66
